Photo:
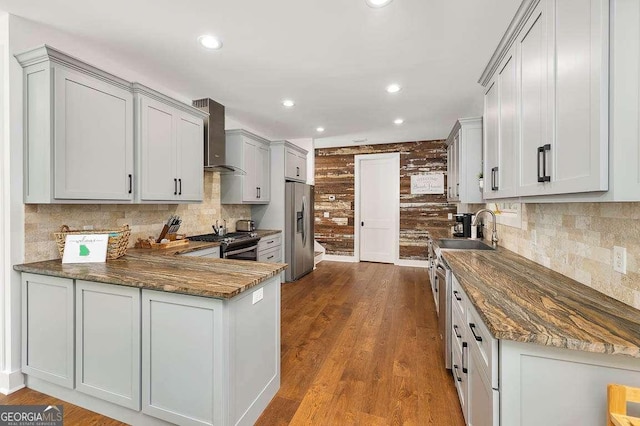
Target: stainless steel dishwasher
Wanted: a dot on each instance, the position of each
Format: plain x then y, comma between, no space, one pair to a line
443,287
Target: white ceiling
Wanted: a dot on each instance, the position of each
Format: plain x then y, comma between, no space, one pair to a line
333,57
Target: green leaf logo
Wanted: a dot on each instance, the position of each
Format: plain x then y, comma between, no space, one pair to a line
84,251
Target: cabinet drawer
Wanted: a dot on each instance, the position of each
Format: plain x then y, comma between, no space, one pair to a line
460,378
211,252
487,347
458,330
271,255
267,243
458,297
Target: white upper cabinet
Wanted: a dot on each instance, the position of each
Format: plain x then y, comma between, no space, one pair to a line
250,153
549,104
464,161
78,131
170,138
500,141
82,128
295,163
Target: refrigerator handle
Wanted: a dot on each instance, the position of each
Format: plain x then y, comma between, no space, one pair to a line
304,221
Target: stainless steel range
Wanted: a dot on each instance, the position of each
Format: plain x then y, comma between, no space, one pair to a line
235,245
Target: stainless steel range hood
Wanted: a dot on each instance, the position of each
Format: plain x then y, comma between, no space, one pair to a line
214,139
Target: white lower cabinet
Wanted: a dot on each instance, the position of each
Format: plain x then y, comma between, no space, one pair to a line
270,249
47,328
182,375
151,357
108,345
475,362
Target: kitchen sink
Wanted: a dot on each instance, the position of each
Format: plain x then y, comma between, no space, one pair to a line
461,244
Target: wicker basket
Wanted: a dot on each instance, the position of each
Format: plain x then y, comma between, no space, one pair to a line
116,247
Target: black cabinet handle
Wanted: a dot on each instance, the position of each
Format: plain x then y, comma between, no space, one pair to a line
175,186
455,373
361,223
180,184
457,189
494,179
457,295
449,192
297,171
270,257
257,192
130,183
464,346
455,330
472,326
542,174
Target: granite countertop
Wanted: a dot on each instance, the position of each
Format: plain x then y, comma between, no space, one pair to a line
192,246
523,301
216,278
267,232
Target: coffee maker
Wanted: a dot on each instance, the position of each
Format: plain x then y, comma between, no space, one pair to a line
462,228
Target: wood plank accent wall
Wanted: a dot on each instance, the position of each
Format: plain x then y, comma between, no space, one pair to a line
334,175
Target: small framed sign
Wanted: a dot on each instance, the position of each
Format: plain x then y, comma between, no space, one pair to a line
80,248
432,183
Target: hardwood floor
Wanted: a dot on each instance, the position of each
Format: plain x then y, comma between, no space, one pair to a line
359,346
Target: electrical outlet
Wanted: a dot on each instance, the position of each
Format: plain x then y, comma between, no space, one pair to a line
450,216
88,227
326,214
620,259
258,295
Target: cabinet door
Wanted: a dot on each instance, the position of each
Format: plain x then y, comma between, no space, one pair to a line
263,175
190,152
452,171
507,125
182,374
108,345
491,141
455,188
483,401
290,164
533,71
249,161
157,151
47,328
578,157
93,138
302,167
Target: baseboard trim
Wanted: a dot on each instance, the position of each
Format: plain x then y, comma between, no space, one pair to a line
413,263
337,258
11,382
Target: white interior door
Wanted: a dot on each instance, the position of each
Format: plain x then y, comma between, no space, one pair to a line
378,178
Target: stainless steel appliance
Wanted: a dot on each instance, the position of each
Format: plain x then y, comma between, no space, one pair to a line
443,306
298,233
462,228
235,245
245,225
215,138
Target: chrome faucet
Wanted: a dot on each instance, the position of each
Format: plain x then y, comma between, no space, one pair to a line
494,233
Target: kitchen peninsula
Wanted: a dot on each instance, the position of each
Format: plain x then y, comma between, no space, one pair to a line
150,339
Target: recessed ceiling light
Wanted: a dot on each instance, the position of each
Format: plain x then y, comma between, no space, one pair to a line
393,88
320,129
398,121
378,3
210,42
288,103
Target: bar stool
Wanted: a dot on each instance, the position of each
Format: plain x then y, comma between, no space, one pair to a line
618,396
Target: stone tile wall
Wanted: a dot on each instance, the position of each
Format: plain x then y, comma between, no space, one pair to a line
42,220
577,240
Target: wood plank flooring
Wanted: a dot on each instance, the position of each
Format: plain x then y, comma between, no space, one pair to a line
359,347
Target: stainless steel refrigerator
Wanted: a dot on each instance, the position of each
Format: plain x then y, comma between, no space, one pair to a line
298,233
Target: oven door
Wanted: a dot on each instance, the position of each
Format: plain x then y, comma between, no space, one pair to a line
242,253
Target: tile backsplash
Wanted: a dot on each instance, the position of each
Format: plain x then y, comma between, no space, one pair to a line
577,240
42,220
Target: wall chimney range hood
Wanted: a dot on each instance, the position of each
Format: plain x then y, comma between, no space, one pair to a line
215,139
